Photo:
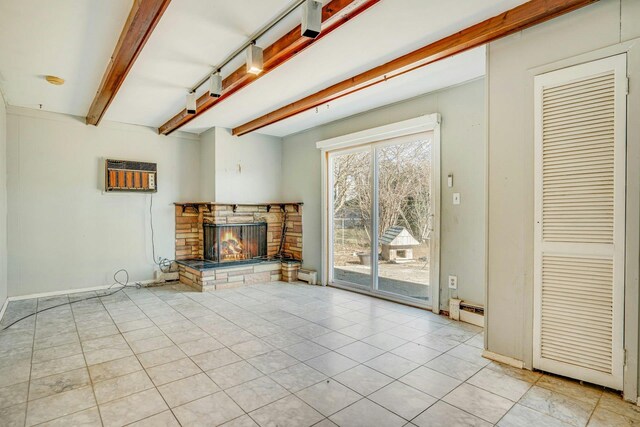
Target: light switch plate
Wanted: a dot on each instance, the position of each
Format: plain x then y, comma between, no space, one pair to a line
456,198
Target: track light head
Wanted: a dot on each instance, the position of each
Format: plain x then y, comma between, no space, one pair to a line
215,85
311,18
191,103
255,62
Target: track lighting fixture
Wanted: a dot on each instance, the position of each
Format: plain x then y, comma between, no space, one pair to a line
254,59
191,103
215,85
311,18
311,27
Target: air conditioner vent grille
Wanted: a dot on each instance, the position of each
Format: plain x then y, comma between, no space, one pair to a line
131,165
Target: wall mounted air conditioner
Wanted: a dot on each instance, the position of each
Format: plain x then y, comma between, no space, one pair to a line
127,175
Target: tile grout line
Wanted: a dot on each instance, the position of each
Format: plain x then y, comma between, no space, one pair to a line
362,364
170,409
252,310
264,375
86,365
121,335
33,349
189,357
242,359
398,379
107,361
552,391
143,367
240,326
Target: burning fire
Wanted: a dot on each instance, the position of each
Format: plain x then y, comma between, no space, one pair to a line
231,247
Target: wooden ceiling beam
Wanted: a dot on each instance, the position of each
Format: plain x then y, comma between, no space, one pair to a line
334,15
142,20
524,16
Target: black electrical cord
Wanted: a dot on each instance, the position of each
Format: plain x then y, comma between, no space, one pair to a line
124,284
163,263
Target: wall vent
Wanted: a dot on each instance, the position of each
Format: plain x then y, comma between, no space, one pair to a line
126,175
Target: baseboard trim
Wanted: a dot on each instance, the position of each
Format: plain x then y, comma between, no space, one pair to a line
66,292
4,308
503,359
56,293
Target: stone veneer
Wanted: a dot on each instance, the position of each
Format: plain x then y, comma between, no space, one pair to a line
190,218
230,277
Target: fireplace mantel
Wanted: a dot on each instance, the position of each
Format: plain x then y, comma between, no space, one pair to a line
269,205
238,203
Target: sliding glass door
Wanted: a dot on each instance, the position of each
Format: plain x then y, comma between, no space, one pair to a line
382,216
405,212
351,242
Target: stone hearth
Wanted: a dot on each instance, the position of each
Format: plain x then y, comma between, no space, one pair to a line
223,276
204,275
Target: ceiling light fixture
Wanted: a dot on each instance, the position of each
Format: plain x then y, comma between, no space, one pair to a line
54,80
311,18
255,62
191,103
215,85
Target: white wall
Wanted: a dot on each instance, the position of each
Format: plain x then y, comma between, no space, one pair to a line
511,158
463,154
64,233
3,201
247,168
207,166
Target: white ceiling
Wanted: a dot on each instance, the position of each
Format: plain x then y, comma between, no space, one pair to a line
192,37
449,72
75,38
72,39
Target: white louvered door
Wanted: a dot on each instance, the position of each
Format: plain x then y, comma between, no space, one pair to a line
580,133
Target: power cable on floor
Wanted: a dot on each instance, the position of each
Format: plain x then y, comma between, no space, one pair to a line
163,263
124,284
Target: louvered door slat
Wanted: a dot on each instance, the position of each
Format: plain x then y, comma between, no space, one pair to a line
577,315
560,170
574,339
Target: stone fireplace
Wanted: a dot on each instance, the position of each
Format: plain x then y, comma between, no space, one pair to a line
222,245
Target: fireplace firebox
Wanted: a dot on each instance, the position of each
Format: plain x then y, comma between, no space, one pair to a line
227,243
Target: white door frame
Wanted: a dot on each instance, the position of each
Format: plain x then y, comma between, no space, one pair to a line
426,123
617,250
632,287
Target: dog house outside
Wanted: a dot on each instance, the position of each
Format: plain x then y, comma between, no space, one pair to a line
397,244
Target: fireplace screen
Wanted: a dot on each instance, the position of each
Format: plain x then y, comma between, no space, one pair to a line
235,242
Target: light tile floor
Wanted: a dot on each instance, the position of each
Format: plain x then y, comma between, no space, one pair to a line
278,354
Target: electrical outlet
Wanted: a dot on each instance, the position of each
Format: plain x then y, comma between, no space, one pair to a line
152,181
453,282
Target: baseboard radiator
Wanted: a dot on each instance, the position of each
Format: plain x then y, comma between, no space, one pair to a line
466,312
309,276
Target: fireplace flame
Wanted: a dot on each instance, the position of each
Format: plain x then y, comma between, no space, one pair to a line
231,247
